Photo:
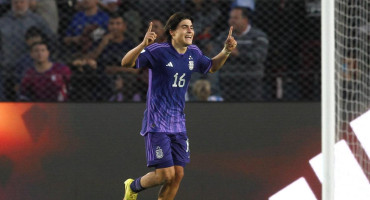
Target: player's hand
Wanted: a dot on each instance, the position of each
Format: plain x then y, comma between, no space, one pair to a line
230,42
107,39
149,36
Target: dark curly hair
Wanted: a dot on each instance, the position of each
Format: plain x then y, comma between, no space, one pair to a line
175,20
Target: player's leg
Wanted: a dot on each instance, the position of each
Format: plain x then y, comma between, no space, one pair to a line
158,154
169,189
181,155
169,154
158,177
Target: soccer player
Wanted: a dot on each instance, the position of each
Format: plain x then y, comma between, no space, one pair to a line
170,67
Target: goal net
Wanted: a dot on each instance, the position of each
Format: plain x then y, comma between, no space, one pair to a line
352,71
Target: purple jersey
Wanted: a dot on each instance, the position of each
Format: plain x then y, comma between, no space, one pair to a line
169,76
47,86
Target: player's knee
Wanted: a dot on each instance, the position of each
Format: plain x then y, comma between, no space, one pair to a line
169,177
166,175
179,175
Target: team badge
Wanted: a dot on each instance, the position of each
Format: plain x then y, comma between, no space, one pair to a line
158,153
191,65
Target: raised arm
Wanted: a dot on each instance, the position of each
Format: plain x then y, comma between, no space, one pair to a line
130,58
219,60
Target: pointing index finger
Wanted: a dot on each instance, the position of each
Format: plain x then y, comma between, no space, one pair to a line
150,27
230,31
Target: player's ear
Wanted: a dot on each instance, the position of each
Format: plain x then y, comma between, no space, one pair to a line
172,32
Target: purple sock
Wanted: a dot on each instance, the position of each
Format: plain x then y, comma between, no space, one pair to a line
136,186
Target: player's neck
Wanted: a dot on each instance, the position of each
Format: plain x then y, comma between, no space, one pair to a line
43,66
180,48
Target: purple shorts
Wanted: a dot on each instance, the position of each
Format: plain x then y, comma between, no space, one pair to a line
167,149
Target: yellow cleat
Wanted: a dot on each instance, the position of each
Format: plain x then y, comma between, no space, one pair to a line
129,194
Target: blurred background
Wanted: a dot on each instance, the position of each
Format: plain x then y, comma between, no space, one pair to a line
277,59
86,151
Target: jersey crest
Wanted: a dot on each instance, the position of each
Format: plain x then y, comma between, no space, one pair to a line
191,63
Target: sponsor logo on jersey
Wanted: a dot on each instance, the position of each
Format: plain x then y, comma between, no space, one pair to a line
169,64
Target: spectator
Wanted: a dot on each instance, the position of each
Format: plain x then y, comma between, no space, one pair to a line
46,81
114,40
109,54
202,91
84,79
241,78
86,27
14,24
48,10
32,36
250,4
110,6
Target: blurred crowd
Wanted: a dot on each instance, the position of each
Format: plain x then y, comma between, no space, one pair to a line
70,50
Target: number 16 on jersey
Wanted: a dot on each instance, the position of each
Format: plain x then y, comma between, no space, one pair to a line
180,82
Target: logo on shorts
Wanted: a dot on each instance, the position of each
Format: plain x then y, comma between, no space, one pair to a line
158,153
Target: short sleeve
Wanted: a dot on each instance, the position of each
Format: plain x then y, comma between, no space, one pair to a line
144,60
204,64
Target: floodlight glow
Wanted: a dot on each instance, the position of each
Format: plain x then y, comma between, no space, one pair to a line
350,181
361,127
299,189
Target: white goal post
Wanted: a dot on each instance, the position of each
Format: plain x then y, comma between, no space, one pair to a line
345,42
328,97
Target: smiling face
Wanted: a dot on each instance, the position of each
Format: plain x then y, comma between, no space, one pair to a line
183,34
116,26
